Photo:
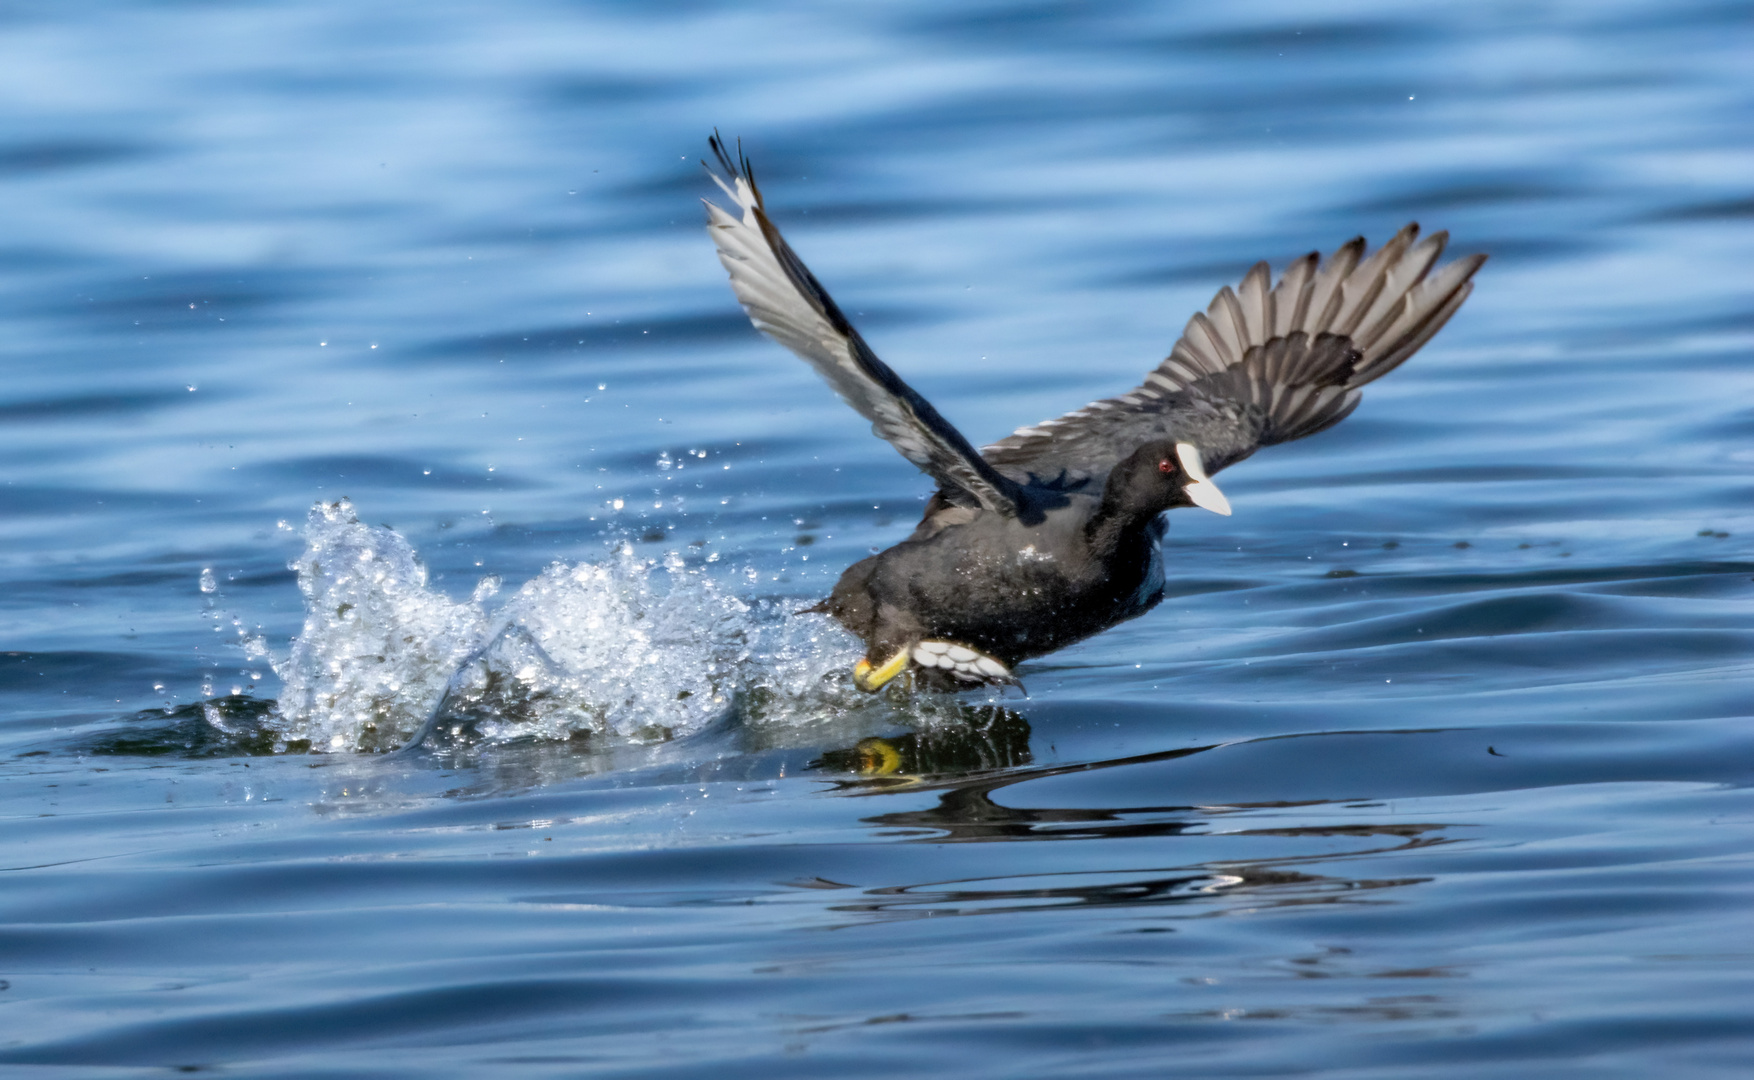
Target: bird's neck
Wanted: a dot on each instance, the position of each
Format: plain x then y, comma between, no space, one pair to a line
1116,524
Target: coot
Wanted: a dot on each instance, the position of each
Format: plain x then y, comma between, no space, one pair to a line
1052,534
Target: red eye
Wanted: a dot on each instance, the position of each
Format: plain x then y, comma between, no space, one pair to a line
1165,467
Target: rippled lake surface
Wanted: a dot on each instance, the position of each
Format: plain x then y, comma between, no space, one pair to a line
1434,762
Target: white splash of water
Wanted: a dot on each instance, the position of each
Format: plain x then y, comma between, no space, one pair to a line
378,646
628,648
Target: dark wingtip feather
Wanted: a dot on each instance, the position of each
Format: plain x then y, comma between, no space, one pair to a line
718,147
717,142
749,174
737,168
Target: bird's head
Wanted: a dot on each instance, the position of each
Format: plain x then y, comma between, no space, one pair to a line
1163,475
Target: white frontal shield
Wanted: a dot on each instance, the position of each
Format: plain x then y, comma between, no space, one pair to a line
1201,490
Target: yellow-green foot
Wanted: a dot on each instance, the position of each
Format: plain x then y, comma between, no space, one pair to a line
870,677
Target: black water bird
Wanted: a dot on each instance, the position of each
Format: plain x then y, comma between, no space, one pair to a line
1052,534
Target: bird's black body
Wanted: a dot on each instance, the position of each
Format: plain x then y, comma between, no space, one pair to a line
1052,534
1013,590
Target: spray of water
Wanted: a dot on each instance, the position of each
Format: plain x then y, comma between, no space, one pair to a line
627,649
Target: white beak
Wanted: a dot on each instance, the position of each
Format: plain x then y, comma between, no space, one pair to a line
1202,491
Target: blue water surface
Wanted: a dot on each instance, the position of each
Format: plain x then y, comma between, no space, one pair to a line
1435,762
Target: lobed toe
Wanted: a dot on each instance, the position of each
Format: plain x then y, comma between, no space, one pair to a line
966,664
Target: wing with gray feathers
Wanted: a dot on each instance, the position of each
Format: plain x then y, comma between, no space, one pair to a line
786,302
1264,363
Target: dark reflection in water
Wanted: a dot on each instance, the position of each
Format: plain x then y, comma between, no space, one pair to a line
966,809
967,812
982,738
1265,886
235,725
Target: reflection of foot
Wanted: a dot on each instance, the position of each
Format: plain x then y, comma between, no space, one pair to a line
876,757
983,738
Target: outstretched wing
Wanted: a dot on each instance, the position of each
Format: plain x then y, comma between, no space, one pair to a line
1265,363
786,302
